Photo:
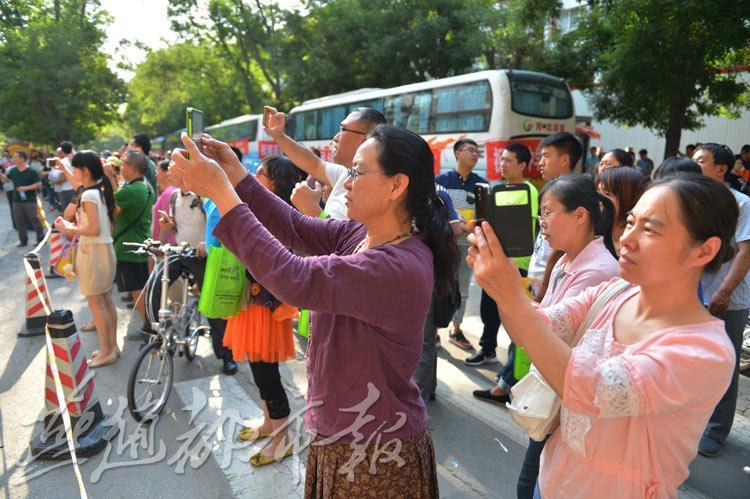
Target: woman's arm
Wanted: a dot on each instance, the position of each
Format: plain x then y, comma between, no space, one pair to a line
89,228
363,285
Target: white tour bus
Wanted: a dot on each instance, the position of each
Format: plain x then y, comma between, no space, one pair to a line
491,107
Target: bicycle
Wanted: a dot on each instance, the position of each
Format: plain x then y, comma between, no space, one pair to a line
178,325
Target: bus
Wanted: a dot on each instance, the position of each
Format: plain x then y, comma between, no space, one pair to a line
492,107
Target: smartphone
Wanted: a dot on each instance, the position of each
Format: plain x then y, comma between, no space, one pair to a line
508,210
51,162
194,119
266,115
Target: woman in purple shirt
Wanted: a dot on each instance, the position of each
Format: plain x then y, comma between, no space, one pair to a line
368,285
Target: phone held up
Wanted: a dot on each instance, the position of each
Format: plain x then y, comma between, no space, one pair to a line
194,119
51,162
266,115
507,208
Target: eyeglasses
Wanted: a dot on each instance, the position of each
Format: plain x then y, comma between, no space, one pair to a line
544,216
343,129
354,173
470,150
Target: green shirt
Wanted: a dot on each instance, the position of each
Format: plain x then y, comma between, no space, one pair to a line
133,222
22,179
523,261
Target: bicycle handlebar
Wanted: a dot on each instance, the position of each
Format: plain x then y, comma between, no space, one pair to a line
151,246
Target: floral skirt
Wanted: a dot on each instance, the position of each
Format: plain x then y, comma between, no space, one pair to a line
258,335
337,471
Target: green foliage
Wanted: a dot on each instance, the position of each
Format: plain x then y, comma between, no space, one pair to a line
56,82
184,75
657,61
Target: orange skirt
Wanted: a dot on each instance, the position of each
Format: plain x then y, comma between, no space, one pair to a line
258,335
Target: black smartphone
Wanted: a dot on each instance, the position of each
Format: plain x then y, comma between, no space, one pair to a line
508,210
194,119
51,162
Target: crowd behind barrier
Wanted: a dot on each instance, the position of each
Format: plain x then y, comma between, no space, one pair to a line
378,253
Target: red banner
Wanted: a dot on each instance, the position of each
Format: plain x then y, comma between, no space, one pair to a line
494,149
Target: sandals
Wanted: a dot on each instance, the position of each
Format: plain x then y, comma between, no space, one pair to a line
96,352
248,434
89,327
111,359
261,459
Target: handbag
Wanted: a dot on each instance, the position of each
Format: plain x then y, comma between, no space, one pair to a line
65,266
535,406
223,284
445,306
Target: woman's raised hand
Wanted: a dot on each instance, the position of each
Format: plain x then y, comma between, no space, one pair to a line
276,123
199,174
495,273
225,156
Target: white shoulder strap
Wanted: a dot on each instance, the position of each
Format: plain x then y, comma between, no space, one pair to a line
609,293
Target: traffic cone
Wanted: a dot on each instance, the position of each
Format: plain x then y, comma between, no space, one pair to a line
36,315
55,252
90,427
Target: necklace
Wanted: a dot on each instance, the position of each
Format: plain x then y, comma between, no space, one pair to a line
398,237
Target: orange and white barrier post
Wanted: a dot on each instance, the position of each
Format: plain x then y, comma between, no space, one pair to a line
90,429
55,252
36,316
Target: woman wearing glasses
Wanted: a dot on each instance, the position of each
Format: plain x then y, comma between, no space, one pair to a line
572,221
368,285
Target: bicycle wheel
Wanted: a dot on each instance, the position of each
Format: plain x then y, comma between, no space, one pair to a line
150,382
193,329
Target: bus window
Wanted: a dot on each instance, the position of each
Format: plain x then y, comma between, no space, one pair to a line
464,108
331,118
542,99
410,111
305,125
373,103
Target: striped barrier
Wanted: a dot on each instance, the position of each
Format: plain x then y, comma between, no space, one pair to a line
90,428
55,252
37,297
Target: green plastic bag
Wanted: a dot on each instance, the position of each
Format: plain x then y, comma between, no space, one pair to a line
303,325
521,363
223,284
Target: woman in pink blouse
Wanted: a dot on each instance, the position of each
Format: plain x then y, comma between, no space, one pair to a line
638,389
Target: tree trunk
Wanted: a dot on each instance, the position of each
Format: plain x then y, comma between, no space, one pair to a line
673,133
57,11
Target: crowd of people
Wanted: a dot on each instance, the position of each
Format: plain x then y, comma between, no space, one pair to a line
632,304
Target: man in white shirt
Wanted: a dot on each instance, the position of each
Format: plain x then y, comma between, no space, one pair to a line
353,131
726,293
62,186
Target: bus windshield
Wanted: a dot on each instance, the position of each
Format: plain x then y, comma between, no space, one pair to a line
540,97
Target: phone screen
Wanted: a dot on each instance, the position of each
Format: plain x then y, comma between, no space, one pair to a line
195,126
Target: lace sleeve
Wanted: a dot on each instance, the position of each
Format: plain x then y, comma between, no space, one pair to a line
559,321
614,392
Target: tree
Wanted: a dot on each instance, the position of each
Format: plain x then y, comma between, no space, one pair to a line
249,36
659,62
184,75
343,45
56,82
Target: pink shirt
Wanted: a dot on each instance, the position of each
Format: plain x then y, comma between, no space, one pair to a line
593,266
632,415
162,203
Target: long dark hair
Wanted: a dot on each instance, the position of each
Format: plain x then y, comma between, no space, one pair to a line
574,191
91,161
405,152
628,184
284,175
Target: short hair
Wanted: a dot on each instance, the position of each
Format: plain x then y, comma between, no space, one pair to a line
676,165
689,146
745,148
459,143
237,152
722,154
370,117
643,151
137,160
522,153
66,147
22,154
565,143
164,165
142,141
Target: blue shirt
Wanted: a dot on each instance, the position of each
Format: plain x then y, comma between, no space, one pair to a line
452,215
461,192
212,218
